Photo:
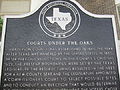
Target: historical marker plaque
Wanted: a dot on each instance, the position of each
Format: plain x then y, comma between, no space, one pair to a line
60,47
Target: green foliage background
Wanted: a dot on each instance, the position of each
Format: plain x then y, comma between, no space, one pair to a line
1,24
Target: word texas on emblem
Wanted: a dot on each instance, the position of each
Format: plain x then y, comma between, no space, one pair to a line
59,19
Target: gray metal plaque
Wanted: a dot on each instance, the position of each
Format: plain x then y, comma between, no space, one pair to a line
60,46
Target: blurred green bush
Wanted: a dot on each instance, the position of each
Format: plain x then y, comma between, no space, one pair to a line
1,25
